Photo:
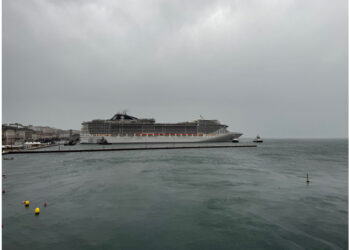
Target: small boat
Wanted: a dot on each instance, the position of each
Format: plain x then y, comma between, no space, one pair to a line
103,141
258,139
8,158
70,143
235,140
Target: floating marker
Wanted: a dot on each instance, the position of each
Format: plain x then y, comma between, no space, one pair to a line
26,203
3,191
37,211
307,178
45,204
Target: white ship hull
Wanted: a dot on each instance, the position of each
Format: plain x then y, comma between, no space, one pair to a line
93,139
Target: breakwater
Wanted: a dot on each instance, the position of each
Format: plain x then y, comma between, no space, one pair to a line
124,149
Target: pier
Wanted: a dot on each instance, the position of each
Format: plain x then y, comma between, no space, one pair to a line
124,149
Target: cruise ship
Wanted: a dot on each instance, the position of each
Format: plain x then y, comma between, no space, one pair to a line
123,128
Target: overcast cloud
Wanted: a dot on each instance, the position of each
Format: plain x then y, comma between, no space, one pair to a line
277,68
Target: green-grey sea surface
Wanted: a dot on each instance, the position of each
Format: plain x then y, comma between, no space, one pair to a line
219,198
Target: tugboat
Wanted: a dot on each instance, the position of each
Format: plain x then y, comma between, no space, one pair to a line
103,141
235,140
258,139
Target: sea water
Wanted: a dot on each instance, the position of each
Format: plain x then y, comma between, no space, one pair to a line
220,198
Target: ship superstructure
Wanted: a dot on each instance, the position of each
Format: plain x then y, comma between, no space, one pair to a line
123,128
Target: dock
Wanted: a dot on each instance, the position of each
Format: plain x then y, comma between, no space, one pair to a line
124,149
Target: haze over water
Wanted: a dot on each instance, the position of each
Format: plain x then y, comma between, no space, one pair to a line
227,198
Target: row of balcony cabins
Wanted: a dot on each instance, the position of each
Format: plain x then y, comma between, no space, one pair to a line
148,134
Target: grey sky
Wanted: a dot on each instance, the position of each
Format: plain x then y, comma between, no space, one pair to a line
277,68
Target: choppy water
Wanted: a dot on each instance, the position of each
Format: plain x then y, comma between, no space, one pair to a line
227,198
